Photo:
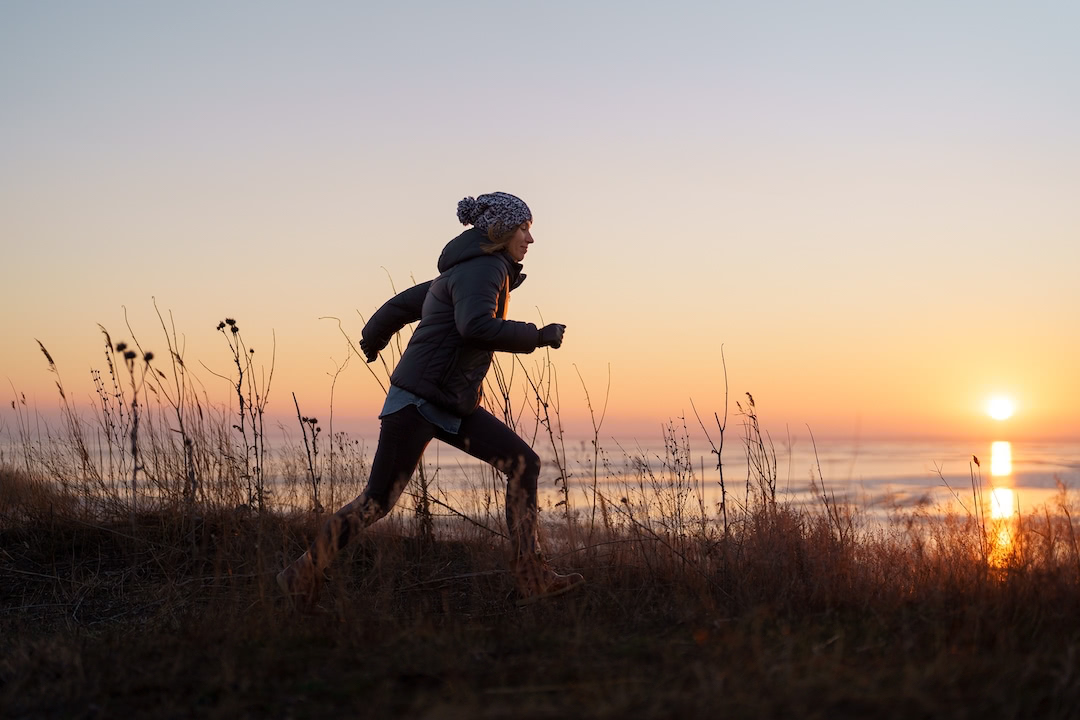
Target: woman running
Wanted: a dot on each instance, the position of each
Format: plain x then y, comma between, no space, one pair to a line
436,391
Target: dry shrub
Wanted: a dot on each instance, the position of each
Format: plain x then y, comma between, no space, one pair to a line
24,498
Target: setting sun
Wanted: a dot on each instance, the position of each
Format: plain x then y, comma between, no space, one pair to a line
1000,407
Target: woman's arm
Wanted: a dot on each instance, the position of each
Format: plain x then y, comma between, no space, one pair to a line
395,313
475,293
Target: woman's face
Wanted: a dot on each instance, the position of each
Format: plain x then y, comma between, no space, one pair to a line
520,242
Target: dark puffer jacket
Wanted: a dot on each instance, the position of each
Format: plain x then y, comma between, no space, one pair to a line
462,322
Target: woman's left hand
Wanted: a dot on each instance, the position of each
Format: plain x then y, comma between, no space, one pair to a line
552,335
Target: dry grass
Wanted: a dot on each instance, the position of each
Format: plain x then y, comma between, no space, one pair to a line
179,616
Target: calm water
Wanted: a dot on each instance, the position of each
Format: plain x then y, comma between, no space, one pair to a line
877,476
882,474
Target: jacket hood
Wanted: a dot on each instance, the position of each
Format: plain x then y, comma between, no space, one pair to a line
466,246
469,245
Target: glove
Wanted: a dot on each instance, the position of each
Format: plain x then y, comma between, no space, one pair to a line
369,352
552,335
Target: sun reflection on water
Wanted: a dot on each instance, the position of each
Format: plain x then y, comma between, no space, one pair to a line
1001,459
1002,503
1003,507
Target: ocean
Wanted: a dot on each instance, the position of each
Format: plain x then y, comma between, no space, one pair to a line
877,477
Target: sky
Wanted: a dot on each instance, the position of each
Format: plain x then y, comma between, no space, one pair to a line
869,208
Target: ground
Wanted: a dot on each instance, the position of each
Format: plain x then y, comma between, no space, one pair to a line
159,617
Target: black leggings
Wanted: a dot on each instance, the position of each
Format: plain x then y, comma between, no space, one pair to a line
402,439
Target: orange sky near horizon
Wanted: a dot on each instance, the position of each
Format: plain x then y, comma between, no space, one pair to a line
871,210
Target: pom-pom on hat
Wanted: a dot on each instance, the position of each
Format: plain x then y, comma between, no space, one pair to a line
497,210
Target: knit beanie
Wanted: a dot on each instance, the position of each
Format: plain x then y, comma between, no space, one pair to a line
500,211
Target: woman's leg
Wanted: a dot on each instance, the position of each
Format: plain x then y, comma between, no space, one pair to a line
487,438
403,436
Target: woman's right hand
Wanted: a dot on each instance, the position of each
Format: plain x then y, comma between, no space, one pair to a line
552,335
